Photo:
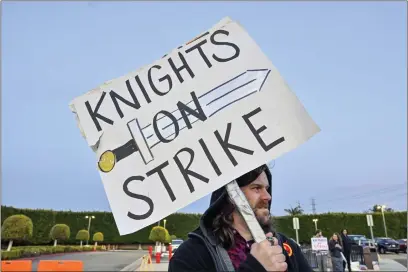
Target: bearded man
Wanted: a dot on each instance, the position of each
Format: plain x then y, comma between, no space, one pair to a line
223,242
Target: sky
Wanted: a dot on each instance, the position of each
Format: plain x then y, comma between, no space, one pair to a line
346,62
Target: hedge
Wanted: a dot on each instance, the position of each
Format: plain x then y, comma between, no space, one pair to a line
355,223
35,251
179,224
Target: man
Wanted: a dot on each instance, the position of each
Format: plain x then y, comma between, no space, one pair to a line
346,248
318,234
321,257
222,241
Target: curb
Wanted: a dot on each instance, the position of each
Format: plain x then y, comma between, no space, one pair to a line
57,254
133,266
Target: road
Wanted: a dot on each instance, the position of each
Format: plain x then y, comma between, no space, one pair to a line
400,258
98,261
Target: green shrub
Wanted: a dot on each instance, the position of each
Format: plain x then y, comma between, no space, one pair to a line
87,248
60,232
10,255
159,234
17,227
82,235
35,251
168,238
173,237
98,237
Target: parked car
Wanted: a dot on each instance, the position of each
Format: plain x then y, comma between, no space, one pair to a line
175,244
386,244
355,238
403,245
364,242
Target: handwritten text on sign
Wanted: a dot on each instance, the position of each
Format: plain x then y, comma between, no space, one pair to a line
225,111
320,244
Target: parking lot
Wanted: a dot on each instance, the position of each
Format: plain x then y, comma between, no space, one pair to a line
399,258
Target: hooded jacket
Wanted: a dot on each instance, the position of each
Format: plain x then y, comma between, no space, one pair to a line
202,252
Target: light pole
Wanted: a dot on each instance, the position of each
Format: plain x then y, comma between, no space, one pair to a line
382,207
315,222
89,225
164,223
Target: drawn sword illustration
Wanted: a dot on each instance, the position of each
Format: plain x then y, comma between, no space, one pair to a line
144,138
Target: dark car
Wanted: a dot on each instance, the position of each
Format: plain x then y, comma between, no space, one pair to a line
387,245
364,242
403,245
355,238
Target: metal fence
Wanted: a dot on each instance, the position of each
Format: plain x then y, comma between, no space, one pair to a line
311,257
357,254
322,260
317,259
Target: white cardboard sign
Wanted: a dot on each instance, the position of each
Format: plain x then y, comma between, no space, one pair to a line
174,131
320,244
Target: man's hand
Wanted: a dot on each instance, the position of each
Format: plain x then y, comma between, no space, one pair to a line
271,257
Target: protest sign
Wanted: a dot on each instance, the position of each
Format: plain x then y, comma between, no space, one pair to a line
178,129
320,244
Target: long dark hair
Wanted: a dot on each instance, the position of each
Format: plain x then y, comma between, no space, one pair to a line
223,221
338,238
222,224
342,234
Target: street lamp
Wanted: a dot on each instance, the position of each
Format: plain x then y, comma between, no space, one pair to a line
89,225
382,207
315,222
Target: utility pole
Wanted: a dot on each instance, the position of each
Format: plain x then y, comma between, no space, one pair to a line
313,206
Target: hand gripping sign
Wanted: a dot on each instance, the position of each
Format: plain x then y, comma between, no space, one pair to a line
193,121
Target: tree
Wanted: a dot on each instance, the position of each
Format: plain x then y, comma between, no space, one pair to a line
377,208
168,238
82,235
60,232
173,237
16,228
294,211
97,237
158,234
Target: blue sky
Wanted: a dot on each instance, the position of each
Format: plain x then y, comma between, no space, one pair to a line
346,61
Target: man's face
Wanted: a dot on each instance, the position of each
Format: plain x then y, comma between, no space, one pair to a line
258,197
345,232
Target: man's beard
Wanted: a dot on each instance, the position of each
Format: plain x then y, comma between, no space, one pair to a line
263,216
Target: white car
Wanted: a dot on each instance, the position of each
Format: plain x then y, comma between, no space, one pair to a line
175,244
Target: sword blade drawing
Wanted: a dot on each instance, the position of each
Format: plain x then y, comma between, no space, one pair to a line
211,102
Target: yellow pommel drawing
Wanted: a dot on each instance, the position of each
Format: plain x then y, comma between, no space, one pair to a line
107,161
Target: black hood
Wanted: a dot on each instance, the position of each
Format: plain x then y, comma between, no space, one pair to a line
218,196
